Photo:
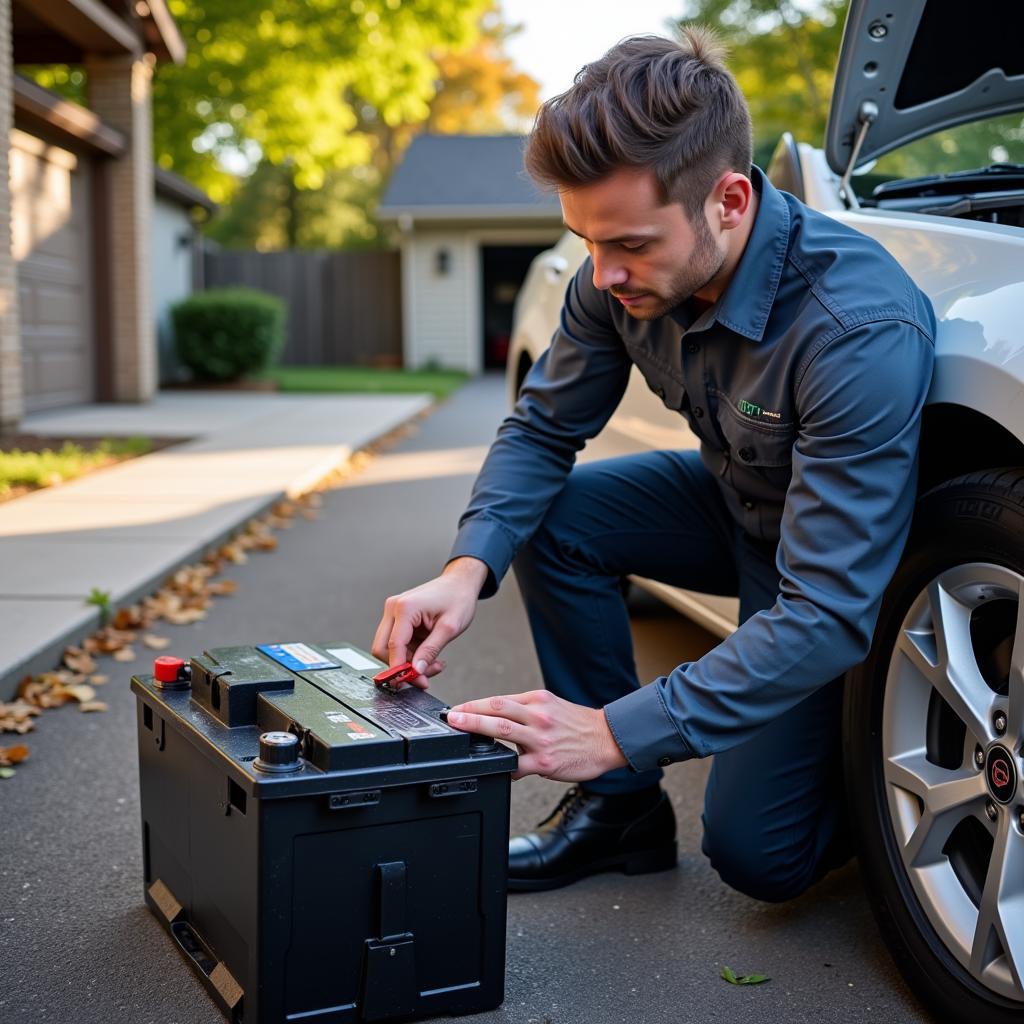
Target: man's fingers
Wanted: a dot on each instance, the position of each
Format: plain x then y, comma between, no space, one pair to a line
428,652
379,649
512,706
527,765
487,725
401,634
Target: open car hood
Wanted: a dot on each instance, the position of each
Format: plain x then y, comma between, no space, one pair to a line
925,65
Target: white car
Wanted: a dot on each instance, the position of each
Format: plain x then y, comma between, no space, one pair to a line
934,718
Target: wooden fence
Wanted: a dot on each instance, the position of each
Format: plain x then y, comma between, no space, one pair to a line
344,308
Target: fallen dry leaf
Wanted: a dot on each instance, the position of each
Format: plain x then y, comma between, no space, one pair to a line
125,654
92,705
13,755
186,616
78,661
222,588
156,643
233,553
81,693
127,618
98,679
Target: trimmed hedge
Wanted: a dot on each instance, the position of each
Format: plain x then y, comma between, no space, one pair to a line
227,333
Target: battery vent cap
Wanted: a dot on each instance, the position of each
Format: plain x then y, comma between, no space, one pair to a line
279,752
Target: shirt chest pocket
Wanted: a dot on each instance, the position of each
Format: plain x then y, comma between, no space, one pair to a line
761,454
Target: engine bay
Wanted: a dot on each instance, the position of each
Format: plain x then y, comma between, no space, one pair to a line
993,194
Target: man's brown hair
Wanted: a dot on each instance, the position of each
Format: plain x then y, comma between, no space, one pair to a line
670,107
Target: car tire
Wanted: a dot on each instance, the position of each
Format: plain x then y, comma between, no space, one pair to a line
922,852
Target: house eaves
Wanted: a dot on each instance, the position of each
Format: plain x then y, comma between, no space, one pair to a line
36,107
406,216
177,189
89,24
161,31
64,31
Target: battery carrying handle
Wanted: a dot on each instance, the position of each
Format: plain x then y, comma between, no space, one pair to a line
389,967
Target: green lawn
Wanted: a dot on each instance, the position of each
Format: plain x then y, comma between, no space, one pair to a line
53,466
366,380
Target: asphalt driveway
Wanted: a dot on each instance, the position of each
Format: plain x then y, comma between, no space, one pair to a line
78,945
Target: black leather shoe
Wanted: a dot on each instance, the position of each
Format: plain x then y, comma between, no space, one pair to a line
587,833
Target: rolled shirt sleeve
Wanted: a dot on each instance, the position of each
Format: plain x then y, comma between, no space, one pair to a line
568,396
846,519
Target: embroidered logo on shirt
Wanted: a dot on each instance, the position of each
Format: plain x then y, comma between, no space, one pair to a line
750,409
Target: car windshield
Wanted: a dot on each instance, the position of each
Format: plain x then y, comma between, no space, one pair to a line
996,140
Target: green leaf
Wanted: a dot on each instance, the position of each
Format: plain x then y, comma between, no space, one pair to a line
746,979
6,773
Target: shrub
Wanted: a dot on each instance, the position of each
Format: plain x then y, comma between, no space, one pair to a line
227,333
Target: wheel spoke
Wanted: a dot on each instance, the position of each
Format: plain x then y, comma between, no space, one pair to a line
1001,914
948,797
959,680
1015,710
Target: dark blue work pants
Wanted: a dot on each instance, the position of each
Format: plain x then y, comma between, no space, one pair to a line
774,818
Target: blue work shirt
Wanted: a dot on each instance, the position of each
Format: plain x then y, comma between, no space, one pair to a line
804,384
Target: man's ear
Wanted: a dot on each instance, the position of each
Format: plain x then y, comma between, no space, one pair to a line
729,200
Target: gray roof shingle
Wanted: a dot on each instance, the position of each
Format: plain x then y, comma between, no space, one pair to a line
462,175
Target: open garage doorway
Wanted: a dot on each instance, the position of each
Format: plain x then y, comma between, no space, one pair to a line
504,268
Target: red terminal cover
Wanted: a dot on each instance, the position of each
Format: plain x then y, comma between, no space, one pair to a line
395,676
166,668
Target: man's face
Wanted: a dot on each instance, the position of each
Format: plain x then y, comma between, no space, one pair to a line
648,255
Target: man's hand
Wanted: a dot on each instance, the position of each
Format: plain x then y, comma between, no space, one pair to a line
556,739
418,624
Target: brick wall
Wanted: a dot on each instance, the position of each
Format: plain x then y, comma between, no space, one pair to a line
11,406
119,92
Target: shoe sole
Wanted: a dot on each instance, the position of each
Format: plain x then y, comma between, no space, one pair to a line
645,862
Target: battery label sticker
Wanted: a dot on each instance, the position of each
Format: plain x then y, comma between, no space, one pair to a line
354,659
405,721
344,684
337,717
297,657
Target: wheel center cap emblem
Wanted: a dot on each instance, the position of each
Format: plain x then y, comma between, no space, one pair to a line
1001,774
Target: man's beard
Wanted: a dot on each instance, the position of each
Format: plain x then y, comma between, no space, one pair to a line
703,266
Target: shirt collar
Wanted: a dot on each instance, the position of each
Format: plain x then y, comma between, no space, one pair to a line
745,304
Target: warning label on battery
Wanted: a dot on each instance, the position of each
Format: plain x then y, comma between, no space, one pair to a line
405,721
297,657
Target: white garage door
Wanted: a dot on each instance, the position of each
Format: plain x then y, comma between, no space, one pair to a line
50,227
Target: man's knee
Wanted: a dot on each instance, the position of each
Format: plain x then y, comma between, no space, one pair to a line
751,866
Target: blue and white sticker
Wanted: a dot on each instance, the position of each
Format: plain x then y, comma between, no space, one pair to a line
297,657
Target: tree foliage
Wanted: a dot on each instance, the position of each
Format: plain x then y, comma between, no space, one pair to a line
477,90
783,54
295,81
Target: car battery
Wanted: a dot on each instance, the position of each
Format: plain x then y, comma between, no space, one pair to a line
321,849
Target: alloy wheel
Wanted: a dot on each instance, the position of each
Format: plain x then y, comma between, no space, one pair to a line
952,729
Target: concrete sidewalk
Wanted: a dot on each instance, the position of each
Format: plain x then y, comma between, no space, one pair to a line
125,529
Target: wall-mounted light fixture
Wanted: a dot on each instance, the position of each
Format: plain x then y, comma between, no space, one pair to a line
442,262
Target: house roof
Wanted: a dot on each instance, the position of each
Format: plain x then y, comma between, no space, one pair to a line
177,189
465,177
